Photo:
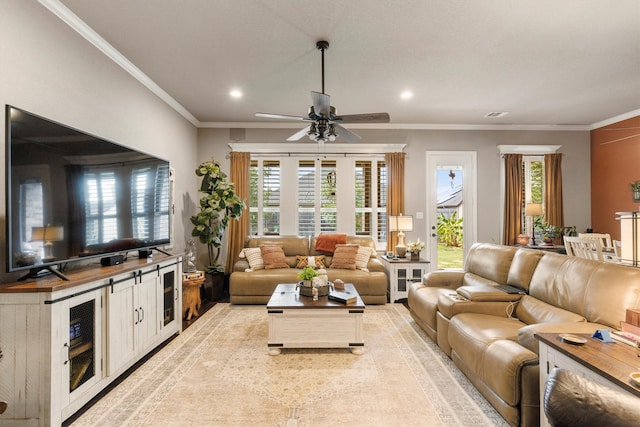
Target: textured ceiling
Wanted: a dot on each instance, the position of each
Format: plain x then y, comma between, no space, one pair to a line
546,62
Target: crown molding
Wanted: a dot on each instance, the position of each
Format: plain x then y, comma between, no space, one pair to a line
79,26
616,119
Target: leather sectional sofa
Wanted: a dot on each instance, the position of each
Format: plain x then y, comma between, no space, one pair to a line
489,334
256,287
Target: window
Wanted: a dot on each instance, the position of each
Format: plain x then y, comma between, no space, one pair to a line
533,186
100,207
150,202
31,213
306,196
264,198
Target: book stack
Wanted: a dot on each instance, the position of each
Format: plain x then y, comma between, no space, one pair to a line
345,297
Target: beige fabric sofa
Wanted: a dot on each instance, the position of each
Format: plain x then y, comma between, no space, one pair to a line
489,334
256,287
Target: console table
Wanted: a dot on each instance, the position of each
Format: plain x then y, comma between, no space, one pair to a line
605,363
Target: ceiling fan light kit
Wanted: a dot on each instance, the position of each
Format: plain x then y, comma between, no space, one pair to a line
324,124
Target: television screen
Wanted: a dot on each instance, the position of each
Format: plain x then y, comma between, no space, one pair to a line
72,195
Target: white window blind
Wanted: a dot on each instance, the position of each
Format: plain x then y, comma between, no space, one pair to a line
306,197
100,207
253,197
271,197
381,202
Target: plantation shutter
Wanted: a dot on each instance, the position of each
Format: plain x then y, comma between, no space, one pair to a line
162,203
306,197
100,207
363,207
271,197
253,197
381,200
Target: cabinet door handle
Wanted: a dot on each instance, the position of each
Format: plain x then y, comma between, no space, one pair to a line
142,313
137,316
68,353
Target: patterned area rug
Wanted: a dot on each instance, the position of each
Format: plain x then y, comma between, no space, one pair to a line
218,373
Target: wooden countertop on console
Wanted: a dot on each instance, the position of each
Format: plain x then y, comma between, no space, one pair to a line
613,361
84,274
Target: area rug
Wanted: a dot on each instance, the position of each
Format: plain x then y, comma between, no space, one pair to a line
218,373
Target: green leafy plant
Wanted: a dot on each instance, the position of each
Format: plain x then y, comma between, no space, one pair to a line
635,186
450,230
218,205
308,273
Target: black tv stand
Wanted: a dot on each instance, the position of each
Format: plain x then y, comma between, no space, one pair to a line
161,251
35,272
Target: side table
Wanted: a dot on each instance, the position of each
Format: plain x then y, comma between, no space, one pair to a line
191,295
401,273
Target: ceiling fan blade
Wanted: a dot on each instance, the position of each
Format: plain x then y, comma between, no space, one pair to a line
296,136
280,116
321,103
364,118
346,134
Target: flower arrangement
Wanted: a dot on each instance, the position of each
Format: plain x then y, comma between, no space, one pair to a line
218,205
415,247
635,186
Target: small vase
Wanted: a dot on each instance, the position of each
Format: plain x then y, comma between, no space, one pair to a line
415,256
636,197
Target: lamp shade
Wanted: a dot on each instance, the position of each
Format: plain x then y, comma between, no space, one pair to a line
533,209
401,223
49,233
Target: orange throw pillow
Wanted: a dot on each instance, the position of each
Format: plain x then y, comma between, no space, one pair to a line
344,257
273,257
327,242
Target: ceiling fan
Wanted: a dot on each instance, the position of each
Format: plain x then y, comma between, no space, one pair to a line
325,124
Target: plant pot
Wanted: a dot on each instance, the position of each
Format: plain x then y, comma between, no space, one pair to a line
415,256
214,286
636,197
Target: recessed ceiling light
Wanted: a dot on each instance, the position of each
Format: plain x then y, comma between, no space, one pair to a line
495,114
235,93
406,94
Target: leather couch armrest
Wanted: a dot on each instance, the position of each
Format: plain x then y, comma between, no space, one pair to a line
375,265
241,265
444,279
451,304
486,293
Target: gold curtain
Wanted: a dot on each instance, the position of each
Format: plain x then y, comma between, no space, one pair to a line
395,192
512,198
553,209
238,230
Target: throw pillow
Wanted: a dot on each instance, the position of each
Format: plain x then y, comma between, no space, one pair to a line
273,257
344,257
326,242
362,257
254,257
303,261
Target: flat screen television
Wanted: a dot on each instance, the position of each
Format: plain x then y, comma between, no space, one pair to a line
72,195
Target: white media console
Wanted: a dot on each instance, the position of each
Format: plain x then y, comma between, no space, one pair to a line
62,342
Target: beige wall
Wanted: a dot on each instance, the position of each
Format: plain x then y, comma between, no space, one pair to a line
575,147
48,69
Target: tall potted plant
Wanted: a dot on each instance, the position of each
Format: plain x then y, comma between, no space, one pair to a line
218,205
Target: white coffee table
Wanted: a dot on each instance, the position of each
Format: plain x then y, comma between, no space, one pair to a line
296,321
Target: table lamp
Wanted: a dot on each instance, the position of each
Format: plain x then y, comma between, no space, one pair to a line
47,234
401,223
532,210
